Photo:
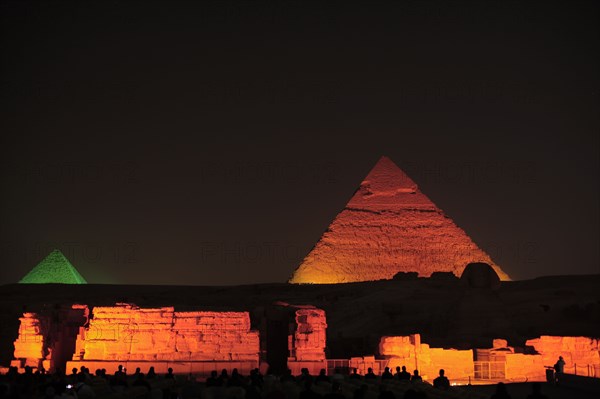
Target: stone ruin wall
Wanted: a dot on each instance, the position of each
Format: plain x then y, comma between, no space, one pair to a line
203,341
410,352
30,349
162,337
581,355
308,341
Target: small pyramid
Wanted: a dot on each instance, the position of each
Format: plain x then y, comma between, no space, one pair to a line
55,268
389,226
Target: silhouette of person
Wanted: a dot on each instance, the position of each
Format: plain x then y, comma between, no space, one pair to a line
170,374
151,373
322,377
140,381
384,392
442,381
287,376
370,374
223,378
404,375
336,392
536,392
559,368
501,392
212,381
386,375
305,375
361,392
308,393
416,377
236,379
355,375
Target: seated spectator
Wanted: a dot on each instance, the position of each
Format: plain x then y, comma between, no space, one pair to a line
370,374
151,373
404,375
536,392
308,393
287,376
385,393
82,389
442,381
170,375
361,393
322,377
212,381
336,392
355,375
501,392
386,375
416,377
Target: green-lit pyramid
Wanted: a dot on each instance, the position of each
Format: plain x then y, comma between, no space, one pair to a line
55,268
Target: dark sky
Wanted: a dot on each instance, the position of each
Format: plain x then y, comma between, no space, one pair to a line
178,143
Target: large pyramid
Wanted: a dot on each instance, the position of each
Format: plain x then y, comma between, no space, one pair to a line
389,226
55,268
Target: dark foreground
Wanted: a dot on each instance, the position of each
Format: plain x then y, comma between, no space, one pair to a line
84,386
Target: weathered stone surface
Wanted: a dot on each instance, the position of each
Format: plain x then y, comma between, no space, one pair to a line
309,339
128,333
410,352
389,226
29,345
579,353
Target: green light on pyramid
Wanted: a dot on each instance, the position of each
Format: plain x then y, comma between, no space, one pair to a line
55,268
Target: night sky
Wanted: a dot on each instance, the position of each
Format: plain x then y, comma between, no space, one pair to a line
213,143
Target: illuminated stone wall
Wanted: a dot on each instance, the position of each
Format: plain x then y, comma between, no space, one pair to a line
579,353
308,341
410,352
162,337
30,347
389,226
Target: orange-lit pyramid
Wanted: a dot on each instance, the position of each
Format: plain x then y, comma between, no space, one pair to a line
389,226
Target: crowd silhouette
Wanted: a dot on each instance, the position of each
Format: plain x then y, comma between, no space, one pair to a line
82,384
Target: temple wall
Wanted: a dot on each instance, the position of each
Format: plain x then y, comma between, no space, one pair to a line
580,351
410,352
128,334
308,341
30,344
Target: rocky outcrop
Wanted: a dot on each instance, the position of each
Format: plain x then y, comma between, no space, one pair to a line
389,226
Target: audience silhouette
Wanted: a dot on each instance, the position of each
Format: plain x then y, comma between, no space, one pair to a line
416,377
501,392
442,381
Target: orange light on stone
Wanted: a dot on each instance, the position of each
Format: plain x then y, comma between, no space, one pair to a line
410,352
389,226
308,341
29,345
162,337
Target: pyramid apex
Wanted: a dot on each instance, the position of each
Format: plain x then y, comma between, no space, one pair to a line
389,226
54,268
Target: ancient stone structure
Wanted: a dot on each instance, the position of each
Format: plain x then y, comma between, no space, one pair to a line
389,226
48,339
409,351
505,363
54,268
30,347
186,341
308,341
